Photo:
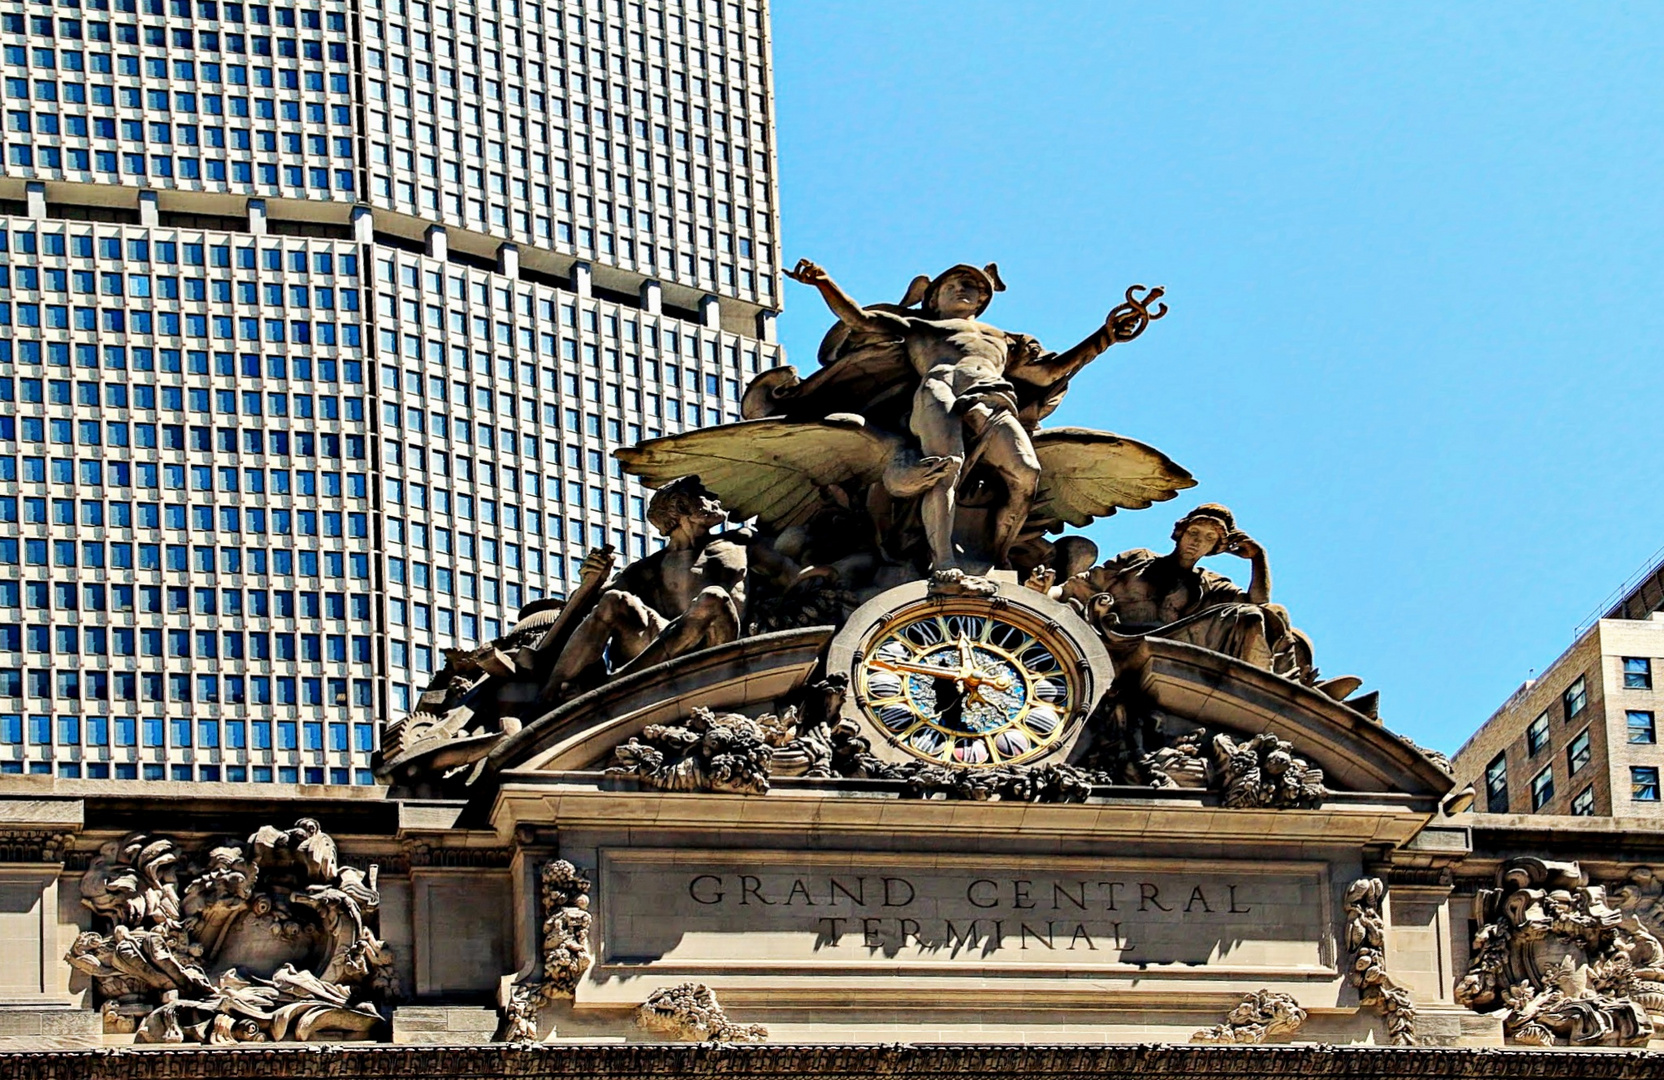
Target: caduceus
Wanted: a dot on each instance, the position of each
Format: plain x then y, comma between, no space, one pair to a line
1129,319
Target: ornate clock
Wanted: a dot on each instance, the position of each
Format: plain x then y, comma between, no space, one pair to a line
971,682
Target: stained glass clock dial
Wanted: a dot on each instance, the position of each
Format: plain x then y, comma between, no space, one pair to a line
969,683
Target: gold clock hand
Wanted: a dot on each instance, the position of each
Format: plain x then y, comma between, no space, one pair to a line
967,673
909,668
975,675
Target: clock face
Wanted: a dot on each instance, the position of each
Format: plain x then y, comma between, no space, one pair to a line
967,683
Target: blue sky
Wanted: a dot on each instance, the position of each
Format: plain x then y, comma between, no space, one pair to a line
1414,259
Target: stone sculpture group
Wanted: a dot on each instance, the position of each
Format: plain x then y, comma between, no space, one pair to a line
254,939
915,452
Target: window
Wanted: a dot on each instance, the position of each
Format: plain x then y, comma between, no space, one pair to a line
1575,697
1542,788
1643,783
1641,728
1637,673
1577,751
1496,785
1584,804
1536,735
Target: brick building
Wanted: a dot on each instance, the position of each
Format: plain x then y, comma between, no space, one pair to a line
1581,738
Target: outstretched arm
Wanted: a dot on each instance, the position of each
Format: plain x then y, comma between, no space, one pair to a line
846,309
1053,368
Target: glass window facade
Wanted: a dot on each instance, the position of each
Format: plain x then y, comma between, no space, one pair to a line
1577,752
264,462
1574,699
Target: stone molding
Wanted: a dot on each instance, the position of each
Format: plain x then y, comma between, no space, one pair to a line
636,1061
1355,752
584,729
34,845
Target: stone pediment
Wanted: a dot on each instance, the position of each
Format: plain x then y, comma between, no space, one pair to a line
1152,717
752,672
1355,751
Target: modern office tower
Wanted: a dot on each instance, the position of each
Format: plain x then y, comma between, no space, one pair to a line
320,325
1582,737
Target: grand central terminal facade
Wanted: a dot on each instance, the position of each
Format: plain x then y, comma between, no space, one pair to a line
871,768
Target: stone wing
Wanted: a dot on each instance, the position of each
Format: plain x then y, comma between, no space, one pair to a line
778,471
1087,474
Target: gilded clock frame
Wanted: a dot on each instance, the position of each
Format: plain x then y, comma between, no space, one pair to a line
1053,624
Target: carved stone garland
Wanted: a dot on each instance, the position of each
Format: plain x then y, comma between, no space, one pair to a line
727,753
691,1011
734,754
1263,772
1365,940
564,893
173,931
1262,1015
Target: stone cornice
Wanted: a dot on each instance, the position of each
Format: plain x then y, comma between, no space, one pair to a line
634,1061
34,845
589,800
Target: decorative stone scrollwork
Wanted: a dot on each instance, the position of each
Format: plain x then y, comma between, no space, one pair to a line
690,1011
1183,763
566,953
1262,1015
723,752
1365,940
167,966
1561,960
727,752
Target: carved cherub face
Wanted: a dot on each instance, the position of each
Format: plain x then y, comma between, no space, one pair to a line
1199,540
961,296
